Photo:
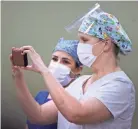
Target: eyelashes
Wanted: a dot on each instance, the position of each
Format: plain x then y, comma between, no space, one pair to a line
63,61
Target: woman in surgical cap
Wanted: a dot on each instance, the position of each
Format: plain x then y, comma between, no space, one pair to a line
65,67
103,100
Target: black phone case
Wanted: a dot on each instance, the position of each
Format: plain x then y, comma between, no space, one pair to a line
25,60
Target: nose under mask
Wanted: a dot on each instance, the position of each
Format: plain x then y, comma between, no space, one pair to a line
85,54
61,73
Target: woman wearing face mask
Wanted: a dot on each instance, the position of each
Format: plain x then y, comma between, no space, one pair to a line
65,67
105,99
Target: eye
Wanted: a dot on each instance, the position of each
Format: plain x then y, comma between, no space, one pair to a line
54,59
66,62
84,39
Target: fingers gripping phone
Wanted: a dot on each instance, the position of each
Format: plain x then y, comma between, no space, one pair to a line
18,58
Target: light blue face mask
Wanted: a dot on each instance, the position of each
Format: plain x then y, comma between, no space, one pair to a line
61,73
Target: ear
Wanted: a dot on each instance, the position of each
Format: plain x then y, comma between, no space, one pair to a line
108,44
78,70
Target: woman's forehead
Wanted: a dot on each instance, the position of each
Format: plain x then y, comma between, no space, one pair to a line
82,35
62,54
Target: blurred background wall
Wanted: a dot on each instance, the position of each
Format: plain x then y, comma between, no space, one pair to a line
41,24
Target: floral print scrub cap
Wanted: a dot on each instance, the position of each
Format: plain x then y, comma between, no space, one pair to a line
103,25
70,47
100,24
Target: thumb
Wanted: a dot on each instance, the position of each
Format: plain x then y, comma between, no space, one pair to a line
29,67
11,59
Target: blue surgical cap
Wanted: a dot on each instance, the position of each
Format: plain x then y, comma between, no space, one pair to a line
70,47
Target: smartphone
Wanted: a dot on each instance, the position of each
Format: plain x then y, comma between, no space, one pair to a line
18,58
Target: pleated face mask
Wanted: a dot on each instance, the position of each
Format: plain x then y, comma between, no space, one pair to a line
85,54
61,73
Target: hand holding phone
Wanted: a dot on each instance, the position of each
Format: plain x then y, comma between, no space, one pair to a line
18,58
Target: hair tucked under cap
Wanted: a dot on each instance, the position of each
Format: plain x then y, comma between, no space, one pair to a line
70,47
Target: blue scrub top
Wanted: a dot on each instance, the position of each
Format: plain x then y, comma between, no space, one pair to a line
41,98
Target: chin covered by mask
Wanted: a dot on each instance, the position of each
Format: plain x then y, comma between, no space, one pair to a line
85,54
61,73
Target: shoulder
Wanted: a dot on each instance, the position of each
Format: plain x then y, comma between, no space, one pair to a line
113,86
77,83
118,81
116,91
122,81
117,87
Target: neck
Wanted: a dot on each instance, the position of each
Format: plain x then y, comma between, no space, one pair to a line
72,80
105,66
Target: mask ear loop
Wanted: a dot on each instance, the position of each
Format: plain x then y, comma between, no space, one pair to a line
72,75
102,50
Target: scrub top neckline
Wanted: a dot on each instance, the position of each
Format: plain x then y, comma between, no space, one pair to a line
100,79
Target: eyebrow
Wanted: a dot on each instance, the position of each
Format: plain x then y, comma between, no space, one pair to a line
54,56
64,58
83,37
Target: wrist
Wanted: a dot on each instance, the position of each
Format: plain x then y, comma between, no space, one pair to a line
45,72
18,76
20,82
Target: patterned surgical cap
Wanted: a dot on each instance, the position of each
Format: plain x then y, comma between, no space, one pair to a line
70,47
105,25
